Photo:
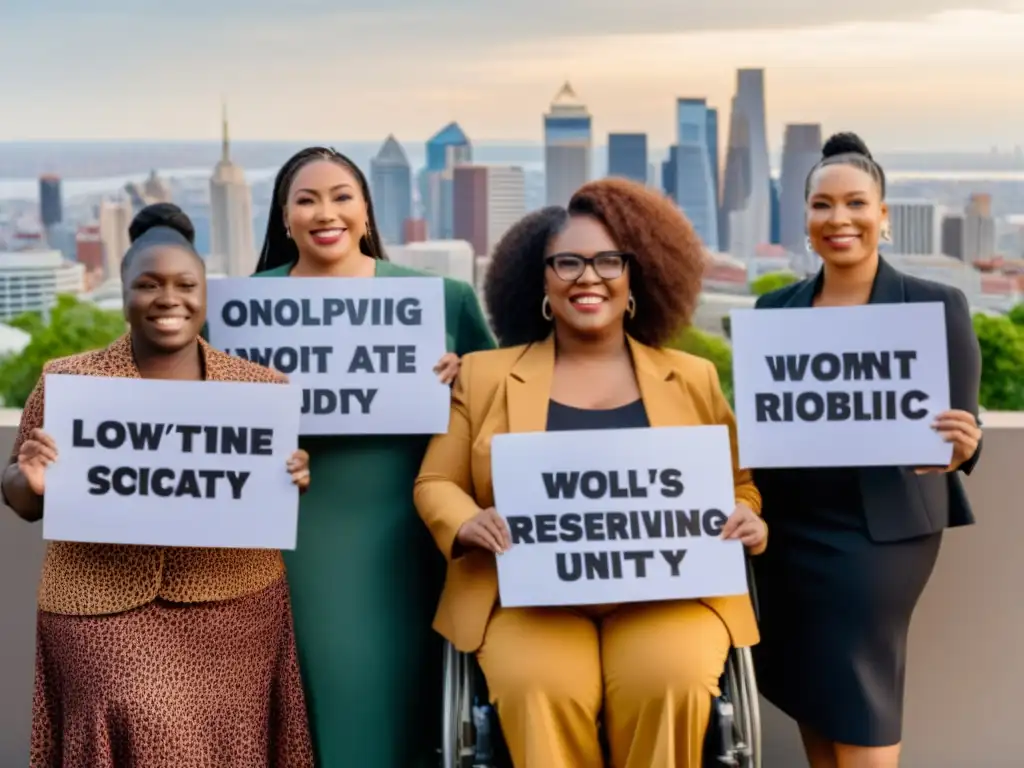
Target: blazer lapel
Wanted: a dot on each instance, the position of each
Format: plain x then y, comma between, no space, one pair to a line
804,295
528,388
887,287
658,388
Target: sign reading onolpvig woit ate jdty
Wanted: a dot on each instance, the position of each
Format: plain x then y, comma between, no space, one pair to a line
362,350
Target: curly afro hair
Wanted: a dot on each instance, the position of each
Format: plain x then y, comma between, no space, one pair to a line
665,275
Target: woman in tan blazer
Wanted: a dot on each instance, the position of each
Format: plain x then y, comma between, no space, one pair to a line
583,301
163,657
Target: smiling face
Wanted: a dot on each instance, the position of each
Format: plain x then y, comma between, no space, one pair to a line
165,297
587,279
845,214
326,212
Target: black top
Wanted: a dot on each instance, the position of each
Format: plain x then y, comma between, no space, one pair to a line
565,418
897,503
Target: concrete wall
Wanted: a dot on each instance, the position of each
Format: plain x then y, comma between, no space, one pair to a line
964,668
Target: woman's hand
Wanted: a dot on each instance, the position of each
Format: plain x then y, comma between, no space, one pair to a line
485,530
961,429
447,368
746,526
298,468
34,456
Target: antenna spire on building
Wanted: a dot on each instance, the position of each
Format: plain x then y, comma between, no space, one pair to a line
225,145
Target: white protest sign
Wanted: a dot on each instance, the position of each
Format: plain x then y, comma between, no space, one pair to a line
841,386
362,350
616,516
171,463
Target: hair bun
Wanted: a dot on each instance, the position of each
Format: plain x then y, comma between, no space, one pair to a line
845,143
162,215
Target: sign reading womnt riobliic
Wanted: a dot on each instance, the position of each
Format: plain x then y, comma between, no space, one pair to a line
361,350
171,463
616,516
841,386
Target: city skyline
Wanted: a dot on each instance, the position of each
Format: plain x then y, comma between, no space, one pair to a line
161,74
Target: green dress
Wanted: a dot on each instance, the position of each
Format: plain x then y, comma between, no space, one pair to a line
365,581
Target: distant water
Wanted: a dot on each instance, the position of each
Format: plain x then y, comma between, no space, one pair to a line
28,189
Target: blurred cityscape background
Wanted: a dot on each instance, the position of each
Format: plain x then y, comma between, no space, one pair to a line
443,203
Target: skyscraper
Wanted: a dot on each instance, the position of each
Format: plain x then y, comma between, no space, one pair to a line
391,184
232,249
694,180
627,156
567,146
51,209
801,149
916,227
114,217
446,149
746,194
489,199
716,171
979,228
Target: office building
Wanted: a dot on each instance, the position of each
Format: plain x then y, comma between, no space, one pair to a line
801,150
746,193
232,242
391,186
567,146
694,170
488,201
627,156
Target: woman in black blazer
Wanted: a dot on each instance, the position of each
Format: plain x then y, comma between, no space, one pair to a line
853,548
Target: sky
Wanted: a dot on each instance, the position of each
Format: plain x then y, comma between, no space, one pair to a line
905,74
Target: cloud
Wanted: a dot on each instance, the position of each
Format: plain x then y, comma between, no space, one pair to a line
537,19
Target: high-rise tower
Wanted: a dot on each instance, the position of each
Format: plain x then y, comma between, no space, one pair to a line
568,144
232,251
746,193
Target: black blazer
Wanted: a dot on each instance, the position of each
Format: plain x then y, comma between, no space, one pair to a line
899,504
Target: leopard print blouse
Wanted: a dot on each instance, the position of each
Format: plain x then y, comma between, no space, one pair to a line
93,579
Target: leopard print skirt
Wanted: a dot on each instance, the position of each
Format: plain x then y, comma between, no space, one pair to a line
205,685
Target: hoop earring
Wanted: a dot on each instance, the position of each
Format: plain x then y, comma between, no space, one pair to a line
808,246
631,306
545,310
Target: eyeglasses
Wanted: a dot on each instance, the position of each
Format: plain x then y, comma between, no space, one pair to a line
608,265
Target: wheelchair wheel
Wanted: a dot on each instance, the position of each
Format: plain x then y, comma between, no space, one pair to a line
450,720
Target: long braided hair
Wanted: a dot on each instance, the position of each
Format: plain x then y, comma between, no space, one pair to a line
279,249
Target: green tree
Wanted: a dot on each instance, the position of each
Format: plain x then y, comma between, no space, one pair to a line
713,348
772,282
1016,315
1002,362
74,327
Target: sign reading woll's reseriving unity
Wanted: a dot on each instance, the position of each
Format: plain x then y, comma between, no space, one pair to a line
171,463
616,516
841,386
361,350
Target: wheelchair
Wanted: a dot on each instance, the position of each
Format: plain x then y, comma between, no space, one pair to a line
471,735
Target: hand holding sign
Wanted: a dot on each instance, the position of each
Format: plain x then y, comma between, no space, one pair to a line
298,468
746,526
485,530
961,429
34,456
447,367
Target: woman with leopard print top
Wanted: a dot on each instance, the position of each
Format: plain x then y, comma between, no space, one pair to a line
159,657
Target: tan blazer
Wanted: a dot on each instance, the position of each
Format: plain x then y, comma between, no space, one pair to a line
508,390
95,579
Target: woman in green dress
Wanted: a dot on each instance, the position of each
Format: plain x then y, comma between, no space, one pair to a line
365,576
